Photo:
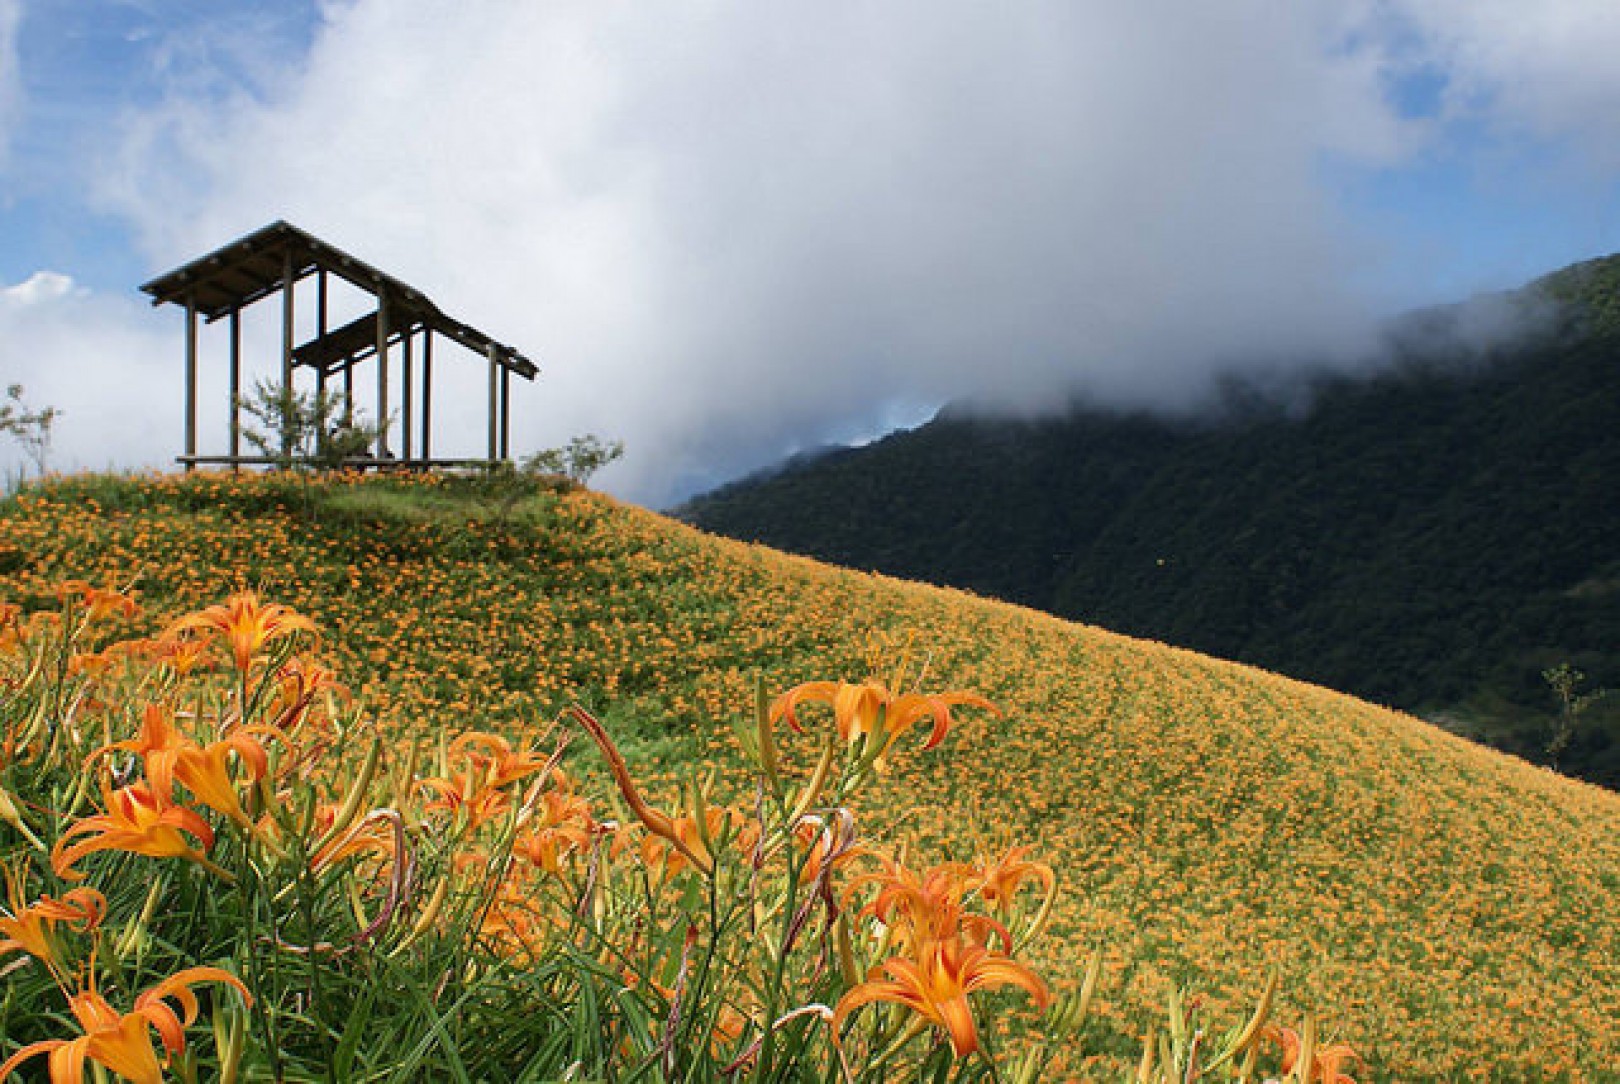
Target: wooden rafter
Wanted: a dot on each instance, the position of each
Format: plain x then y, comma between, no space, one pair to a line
274,260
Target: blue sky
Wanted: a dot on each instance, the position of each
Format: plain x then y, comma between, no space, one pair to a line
729,233
83,66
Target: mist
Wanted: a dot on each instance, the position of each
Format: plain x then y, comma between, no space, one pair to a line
728,232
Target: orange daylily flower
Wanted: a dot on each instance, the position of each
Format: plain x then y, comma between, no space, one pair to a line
91,663
827,847
205,771
27,929
998,880
494,756
184,654
158,744
11,626
870,709
936,986
120,1042
480,790
136,820
247,625
170,756
100,602
464,793
565,827
373,833
1327,1064
926,908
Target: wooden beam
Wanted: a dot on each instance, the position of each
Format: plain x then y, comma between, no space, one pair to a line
191,378
236,383
382,375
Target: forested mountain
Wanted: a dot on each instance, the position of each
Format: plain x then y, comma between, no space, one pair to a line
1432,535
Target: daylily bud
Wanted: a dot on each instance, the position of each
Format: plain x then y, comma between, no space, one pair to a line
357,906
1307,1050
135,932
429,914
407,776
846,951
765,739
655,822
698,809
1178,1019
1144,1068
356,796
13,816
1249,1037
818,780
229,1040
1088,989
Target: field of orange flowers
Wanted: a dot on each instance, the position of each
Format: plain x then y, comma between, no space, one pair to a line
1447,910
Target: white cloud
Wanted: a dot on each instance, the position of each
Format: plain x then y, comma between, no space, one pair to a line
102,361
1545,69
726,229
40,288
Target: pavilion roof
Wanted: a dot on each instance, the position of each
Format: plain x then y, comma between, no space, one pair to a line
254,267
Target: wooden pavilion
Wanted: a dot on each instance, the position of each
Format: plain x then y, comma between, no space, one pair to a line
276,258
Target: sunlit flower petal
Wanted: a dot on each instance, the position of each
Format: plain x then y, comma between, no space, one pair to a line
138,821
120,1042
936,985
246,624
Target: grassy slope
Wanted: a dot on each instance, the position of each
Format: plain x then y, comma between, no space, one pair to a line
1452,910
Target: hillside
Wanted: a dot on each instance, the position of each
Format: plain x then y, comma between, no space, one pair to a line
1449,909
1432,536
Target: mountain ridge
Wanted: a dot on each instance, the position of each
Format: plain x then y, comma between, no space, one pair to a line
1430,535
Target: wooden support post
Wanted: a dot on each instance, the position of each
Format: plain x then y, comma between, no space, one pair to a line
286,343
236,386
320,328
405,399
191,381
382,375
506,413
493,365
427,395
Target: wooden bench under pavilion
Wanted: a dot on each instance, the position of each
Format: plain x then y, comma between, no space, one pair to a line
274,260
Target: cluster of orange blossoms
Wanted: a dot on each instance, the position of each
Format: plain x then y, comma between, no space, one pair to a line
146,817
933,937
944,951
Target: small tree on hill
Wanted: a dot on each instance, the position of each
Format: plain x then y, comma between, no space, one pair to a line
29,427
578,461
1565,682
305,430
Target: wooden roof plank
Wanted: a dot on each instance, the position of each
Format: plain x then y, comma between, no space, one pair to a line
251,268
